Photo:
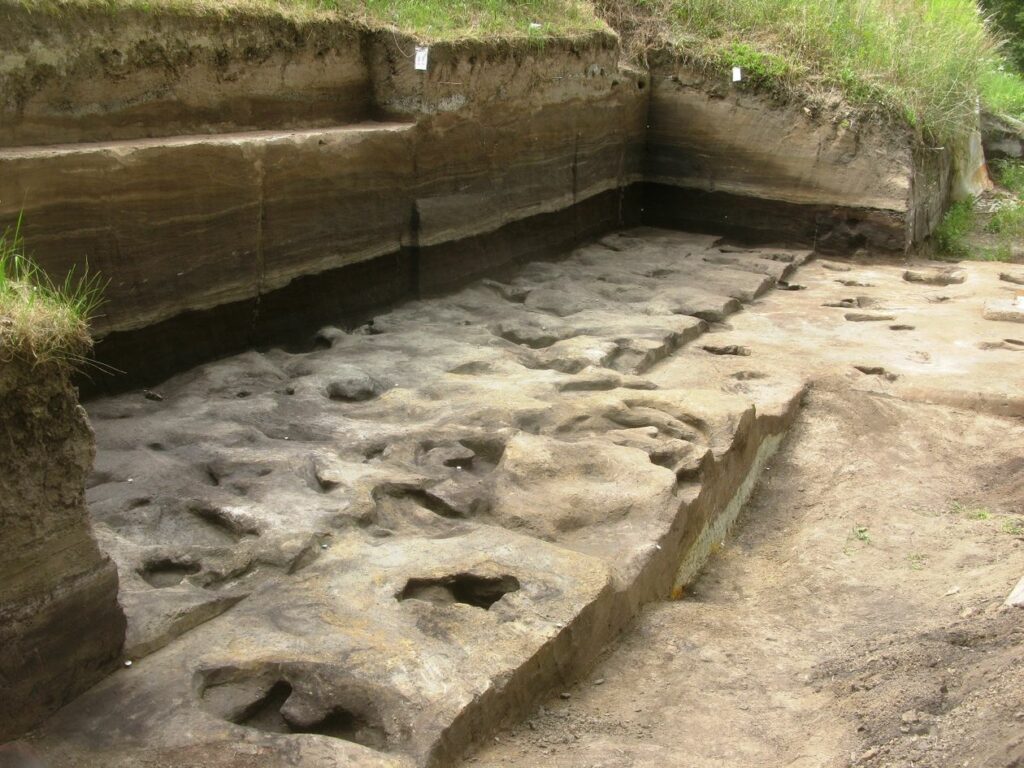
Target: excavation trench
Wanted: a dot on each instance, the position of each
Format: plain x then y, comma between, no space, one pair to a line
387,505
411,534
434,496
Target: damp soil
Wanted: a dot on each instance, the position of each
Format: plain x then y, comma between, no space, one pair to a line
854,617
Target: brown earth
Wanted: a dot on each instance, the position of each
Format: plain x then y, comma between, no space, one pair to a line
856,615
61,628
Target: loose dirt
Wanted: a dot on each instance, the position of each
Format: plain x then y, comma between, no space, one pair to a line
855,615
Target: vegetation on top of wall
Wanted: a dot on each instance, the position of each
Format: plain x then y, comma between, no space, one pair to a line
1003,86
922,60
42,321
1002,92
427,20
925,61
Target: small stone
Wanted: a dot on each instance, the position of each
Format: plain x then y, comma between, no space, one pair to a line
128,662
1005,310
599,681
353,385
154,396
910,716
565,695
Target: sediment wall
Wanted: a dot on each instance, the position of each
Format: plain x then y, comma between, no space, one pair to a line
265,175
734,160
61,627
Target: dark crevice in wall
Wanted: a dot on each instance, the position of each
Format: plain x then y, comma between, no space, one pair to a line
827,228
261,261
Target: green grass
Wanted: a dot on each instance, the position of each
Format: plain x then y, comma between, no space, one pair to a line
957,236
427,20
1008,221
1009,174
951,234
921,60
1002,91
448,19
42,321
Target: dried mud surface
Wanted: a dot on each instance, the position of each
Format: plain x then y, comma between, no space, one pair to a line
855,616
376,547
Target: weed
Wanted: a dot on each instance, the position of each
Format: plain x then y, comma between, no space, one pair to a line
40,320
1013,526
1010,174
862,534
972,513
951,234
917,561
1008,220
757,65
1002,91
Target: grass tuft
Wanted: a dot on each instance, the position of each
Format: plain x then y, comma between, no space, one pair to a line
987,230
1002,91
951,234
42,321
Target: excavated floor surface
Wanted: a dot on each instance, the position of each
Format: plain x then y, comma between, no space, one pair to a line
856,617
375,550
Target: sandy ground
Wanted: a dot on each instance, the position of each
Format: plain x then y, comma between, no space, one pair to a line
854,617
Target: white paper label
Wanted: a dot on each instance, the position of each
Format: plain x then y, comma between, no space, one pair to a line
422,54
737,74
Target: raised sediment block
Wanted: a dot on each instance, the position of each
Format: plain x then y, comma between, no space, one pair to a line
377,551
194,222
61,628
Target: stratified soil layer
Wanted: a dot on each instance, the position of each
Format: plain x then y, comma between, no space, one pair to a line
61,628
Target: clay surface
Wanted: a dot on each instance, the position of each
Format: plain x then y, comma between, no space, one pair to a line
378,548
856,617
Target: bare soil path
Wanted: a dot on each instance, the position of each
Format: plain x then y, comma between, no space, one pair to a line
855,616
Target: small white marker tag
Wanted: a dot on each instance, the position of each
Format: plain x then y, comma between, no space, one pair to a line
422,55
737,74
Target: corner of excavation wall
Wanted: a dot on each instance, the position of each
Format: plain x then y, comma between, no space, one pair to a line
61,627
